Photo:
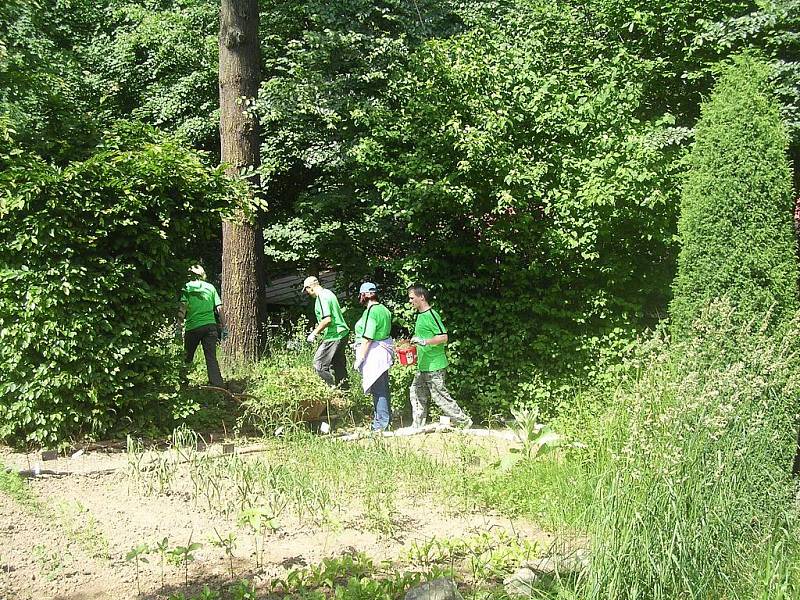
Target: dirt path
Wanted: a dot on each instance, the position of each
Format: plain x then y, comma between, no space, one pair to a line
71,542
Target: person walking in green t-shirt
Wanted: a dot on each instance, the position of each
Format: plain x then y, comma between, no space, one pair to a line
330,361
199,303
430,337
375,354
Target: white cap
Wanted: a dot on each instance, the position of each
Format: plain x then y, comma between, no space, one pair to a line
310,281
198,270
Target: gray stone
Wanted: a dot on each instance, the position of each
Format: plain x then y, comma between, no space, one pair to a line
574,563
521,583
537,572
437,589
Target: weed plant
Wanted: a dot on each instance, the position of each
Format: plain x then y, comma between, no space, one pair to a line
695,499
481,562
486,557
13,486
283,388
81,527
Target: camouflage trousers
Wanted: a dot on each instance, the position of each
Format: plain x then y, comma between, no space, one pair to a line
427,386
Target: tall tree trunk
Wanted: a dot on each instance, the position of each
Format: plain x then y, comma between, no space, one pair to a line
242,240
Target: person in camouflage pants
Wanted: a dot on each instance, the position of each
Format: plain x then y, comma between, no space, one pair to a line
430,337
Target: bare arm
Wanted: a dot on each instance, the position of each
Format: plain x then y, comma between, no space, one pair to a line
436,340
221,314
362,350
181,314
322,325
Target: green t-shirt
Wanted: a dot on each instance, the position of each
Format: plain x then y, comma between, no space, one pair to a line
376,322
358,328
327,305
430,358
201,299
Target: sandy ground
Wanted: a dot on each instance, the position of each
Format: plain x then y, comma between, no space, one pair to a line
71,544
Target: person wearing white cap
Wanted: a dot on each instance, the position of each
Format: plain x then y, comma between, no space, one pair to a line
375,354
199,303
330,361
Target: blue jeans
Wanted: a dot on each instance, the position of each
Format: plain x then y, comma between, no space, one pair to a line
381,402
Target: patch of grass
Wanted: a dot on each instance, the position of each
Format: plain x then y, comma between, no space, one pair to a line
81,527
322,480
13,486
51,562
696,499
555,492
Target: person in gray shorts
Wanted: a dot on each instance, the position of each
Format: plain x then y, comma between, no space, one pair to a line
330,361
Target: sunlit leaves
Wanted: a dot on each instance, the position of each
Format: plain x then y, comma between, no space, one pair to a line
92,257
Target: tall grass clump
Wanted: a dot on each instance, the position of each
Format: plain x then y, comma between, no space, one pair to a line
736,206
695,499
695,496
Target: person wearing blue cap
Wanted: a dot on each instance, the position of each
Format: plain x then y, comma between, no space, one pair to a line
375,354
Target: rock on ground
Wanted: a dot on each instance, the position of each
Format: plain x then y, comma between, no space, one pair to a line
437,589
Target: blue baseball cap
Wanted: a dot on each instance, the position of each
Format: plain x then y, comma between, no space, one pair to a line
367,287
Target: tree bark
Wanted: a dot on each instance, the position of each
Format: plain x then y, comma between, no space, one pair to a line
242,239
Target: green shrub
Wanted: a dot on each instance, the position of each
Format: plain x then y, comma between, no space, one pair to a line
283,386
283,394
91,259
736,208
695,499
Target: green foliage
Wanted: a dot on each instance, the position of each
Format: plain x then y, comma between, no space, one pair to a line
505,179
327,67
400,379
661,35
695,494
554,492
352,577
90,262
157,62
772,29
283,387
536,440
42,87
736,207
183,555
137,556
13,486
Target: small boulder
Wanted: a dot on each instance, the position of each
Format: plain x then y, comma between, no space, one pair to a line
574,563
543,571
436,589
521,583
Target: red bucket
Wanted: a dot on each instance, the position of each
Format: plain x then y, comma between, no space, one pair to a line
407,355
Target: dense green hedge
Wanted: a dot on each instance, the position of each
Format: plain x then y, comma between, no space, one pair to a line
91,258
736,208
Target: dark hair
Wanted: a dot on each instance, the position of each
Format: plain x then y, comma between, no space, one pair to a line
363,297
419,291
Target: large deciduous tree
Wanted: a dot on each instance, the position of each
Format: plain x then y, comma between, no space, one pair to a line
242,241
